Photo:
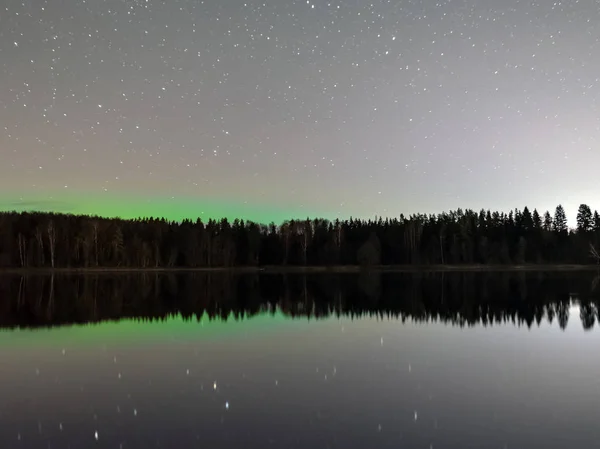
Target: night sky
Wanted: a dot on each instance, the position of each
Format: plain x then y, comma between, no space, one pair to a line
275,109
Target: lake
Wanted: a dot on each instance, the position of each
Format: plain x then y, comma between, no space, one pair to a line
439,360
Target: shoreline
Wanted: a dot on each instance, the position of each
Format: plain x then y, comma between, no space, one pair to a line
310,269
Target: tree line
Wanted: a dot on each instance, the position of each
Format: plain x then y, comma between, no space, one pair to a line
457,298
47,240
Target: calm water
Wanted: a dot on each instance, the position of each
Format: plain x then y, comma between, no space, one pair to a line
371,361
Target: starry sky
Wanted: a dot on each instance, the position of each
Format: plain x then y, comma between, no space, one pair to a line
272,109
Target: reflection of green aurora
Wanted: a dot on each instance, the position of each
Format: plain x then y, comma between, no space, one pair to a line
137,331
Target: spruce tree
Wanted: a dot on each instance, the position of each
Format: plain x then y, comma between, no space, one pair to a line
560,220
584,218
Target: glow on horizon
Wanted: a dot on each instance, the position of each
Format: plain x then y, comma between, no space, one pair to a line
172,208
135,206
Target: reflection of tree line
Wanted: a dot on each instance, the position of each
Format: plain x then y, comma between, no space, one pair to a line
457,298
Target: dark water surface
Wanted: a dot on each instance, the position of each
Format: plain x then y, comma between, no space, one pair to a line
461,360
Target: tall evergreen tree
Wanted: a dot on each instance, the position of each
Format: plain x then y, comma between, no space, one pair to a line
560,220
596,221
536,219
584,218
547,221
526,219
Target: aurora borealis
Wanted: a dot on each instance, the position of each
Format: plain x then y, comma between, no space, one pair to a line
131,206
282,109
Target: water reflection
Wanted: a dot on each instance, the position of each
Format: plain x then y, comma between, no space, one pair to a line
456,298
215,360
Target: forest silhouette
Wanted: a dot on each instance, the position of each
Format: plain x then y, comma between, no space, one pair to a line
47,240
457,298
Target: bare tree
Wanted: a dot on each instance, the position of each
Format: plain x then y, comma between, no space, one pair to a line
145,255
305,229
594,254
51,241
117,244
39,236
286,230
95,237
412,238
338,237
22,249
442,236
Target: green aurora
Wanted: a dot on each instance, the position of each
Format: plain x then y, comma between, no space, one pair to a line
132,206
